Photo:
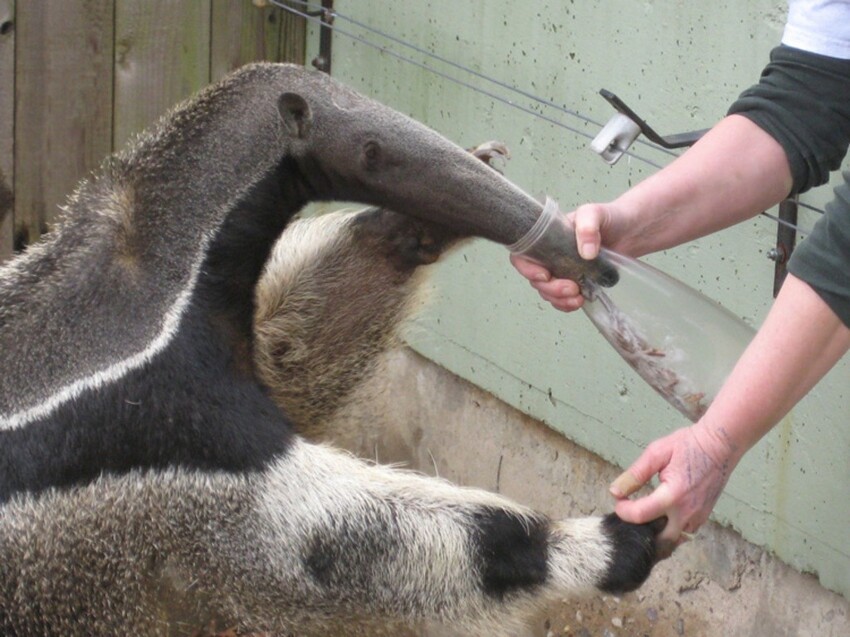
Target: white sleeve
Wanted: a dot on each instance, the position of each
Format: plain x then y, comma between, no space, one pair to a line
819,26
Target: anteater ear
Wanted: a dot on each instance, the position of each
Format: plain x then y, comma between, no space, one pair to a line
295,113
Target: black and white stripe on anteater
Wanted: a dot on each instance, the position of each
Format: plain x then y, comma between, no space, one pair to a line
149,483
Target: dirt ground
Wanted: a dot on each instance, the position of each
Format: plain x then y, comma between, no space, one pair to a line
610,616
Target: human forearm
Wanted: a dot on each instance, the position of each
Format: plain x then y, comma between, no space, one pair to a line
785,135
799,342
734,172
788,132
801,339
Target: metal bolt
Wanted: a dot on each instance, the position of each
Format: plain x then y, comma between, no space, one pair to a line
778,255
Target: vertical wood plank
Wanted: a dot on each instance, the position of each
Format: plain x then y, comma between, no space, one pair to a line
7,126
162,55
293,37
63,104
242,32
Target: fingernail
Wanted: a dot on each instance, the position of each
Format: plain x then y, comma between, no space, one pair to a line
616,491
540,277
625,484
584,250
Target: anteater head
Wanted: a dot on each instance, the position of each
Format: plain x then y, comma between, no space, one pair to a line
353,148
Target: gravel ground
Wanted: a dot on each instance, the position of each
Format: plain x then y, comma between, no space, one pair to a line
609,616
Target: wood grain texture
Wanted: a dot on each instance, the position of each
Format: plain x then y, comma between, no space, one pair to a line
78,78
63,104
241,33
162,56
293,38
7,125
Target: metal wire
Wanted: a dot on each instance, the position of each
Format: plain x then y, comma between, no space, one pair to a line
487,78
314,12
802,231
422,65
810,207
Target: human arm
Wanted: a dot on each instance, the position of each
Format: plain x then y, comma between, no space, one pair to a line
804,334
800,340
734,172
802,102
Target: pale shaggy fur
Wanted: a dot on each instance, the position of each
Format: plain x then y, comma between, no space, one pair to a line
329,308
318,543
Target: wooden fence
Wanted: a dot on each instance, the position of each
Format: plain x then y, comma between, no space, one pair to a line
78,77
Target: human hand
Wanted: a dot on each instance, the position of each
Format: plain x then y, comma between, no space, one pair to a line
589,222
563,294
693,465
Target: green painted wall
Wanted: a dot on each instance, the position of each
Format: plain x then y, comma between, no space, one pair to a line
679,64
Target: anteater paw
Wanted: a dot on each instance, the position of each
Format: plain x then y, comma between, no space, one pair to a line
634,553
490,152
405,241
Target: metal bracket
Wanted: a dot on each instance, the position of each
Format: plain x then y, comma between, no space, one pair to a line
624,127
786,237
678,140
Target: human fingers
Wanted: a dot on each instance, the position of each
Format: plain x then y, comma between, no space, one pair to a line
625,485
568,304
674,534
664,548
588,220
556,289
651,507
563,294
653,459
658,506
532,271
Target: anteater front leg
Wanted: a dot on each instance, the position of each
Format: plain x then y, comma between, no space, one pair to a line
343,539
317,543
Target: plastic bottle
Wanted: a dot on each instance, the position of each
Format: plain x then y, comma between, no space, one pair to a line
682,343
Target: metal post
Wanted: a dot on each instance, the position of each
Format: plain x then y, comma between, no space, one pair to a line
786,237
323,60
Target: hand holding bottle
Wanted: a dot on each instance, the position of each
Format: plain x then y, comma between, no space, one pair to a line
680,342
589,221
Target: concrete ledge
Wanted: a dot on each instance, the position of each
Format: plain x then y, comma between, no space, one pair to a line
718,585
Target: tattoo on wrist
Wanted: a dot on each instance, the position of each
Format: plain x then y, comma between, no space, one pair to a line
730,444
